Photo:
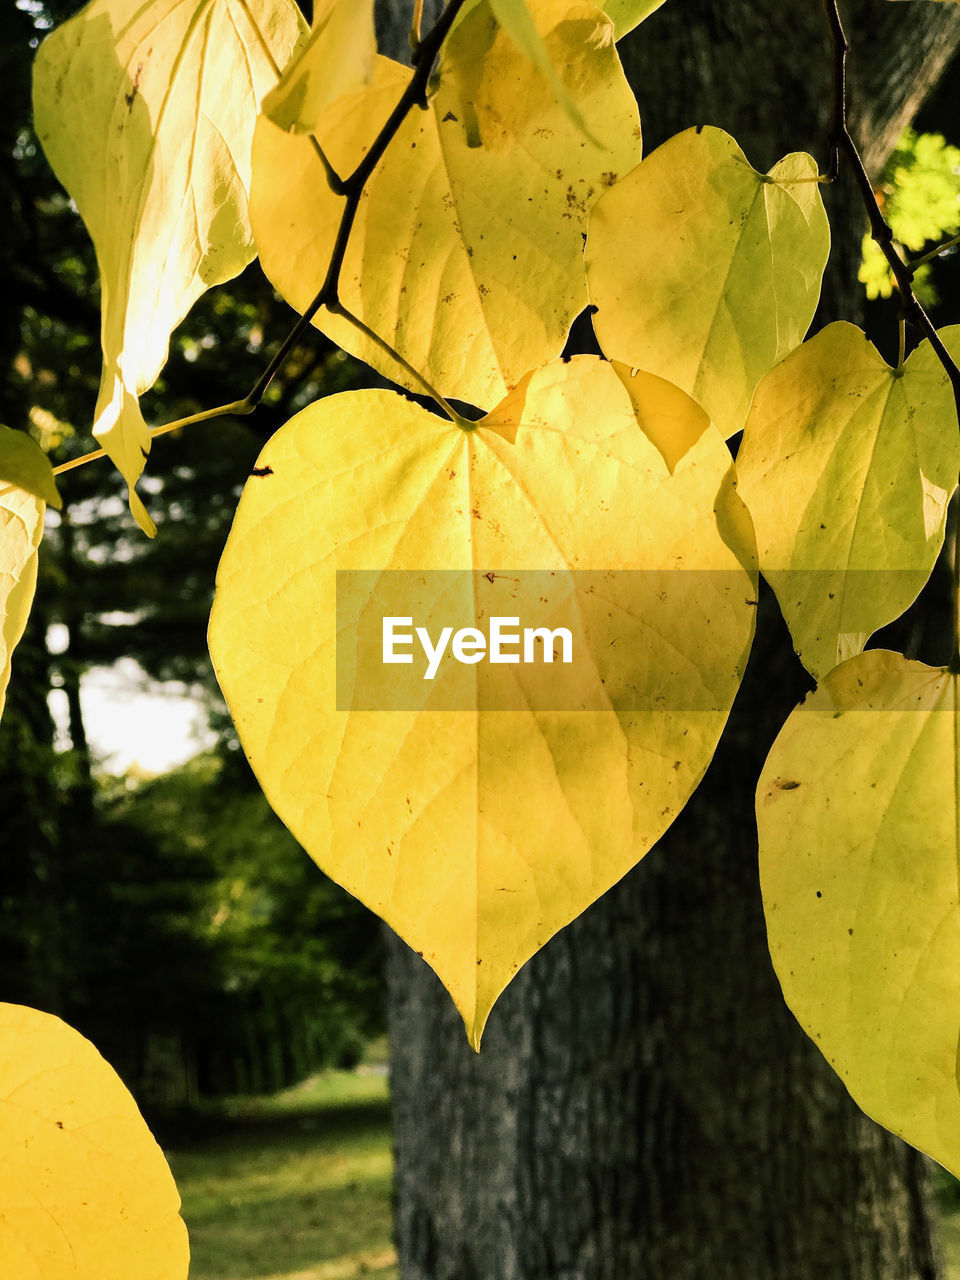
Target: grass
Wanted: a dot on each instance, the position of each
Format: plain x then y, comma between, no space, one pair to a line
297,1186
293,1187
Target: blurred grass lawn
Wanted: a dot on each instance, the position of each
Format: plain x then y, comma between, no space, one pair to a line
293,1187
297,1186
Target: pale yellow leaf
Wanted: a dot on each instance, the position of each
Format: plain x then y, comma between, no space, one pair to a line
21,528
627,14
85,1193
857,810
467,253
705,271
146,113
338,58
847,466
480,811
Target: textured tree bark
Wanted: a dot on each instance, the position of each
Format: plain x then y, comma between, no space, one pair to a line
645,1107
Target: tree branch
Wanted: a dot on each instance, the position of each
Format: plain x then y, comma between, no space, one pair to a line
842,145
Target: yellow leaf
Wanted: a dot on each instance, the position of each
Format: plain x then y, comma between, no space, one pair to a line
627,14
466,256
705,271
24,464
146,113
515,18
857,811
85,1193
847,467
21,528
481,810
337,59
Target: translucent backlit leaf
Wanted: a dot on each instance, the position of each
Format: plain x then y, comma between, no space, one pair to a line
85,1193
21,528
627,14
146,113
480,811
847,466
467,253
857,810
338,58
24,464
705,271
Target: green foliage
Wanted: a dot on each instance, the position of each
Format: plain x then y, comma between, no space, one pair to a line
447,224
920,185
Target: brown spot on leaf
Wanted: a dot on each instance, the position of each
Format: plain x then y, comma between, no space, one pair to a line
786,784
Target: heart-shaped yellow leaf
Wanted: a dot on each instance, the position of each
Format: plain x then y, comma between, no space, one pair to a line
705,271
85,1193
857,810
21,528
470,296
847,467
146,114
481,808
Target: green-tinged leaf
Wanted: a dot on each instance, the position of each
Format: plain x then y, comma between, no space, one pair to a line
705,271
24,464
467,253
515,18
627,14
847,467
337,59
146,113
85,1193
21,528
857,810
482,810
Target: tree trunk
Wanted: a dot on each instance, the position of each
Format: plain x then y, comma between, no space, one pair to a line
645,1107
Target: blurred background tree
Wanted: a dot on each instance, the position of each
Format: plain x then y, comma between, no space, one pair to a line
172,920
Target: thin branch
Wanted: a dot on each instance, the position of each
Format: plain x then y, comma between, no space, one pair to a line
842,144
945,247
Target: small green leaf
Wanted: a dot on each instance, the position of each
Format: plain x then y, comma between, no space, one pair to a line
858,818
24,464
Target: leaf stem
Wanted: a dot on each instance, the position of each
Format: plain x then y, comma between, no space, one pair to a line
235,406
916,263
338,309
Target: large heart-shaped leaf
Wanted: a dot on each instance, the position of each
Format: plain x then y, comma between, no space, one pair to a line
704,270
146,113
467,252
481,810
85,1193
858,815
847,466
